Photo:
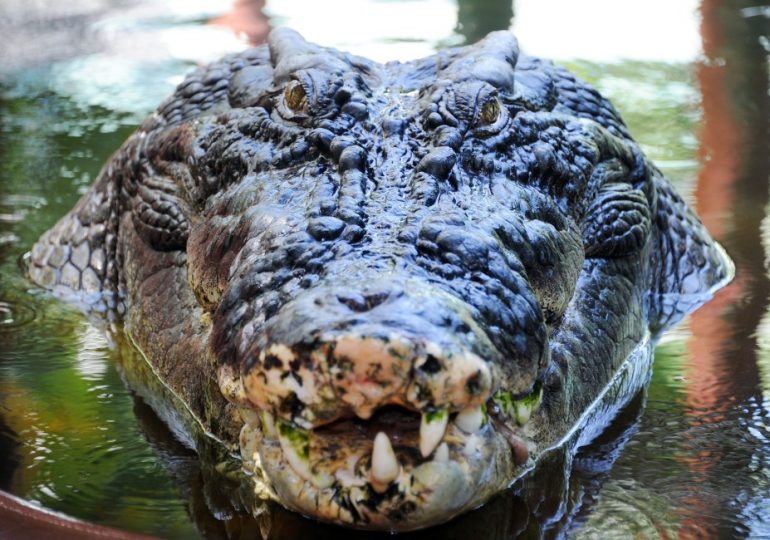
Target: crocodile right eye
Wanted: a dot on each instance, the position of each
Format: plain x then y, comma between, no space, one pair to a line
490,111
295,97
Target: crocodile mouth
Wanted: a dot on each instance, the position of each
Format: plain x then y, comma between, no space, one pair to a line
399,469
396,418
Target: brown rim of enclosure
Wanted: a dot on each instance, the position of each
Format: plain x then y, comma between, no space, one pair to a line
21,519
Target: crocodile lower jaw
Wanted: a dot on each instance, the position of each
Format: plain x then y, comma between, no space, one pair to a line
372,474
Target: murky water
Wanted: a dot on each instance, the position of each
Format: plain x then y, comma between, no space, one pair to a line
691,457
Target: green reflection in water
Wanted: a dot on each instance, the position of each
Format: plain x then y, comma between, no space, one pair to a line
668,383
70,420
660,104
476,18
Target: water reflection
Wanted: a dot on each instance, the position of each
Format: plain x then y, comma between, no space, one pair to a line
247,19
692,459
732,196
476,18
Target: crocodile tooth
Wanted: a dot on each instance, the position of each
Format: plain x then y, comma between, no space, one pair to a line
442,453
249,416
523,412
524,407
519,448
432,430
322,480
470,420
385,466
295,443
268,424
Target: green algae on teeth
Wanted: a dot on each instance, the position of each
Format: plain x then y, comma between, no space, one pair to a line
295,443
432,428
519,409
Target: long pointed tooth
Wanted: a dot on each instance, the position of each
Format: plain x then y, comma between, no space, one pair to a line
471,420
432,430
295,443
385,466
518,446
442,453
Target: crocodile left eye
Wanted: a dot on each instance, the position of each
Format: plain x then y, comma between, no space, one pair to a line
490,111
295,96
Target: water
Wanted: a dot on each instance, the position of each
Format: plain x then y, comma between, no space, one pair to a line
690,458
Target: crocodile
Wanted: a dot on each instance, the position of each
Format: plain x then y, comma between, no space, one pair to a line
391,287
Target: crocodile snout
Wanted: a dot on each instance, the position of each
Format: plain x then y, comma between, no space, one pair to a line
378,397
337,352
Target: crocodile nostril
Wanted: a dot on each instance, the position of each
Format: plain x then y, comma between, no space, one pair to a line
363,302
355,302
431,364
375,299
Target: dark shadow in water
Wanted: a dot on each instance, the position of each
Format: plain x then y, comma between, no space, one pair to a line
184,467
476,18
593,464
9,459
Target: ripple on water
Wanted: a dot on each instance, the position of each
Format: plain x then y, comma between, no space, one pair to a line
7,239
14,314
689,471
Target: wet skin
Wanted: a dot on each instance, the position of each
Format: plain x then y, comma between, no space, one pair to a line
392,287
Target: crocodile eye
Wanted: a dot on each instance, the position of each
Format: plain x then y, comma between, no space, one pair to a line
295,96
490,111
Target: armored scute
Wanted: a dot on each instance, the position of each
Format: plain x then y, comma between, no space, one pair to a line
392,287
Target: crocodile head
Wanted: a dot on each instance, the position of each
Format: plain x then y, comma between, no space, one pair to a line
388,309
413,278
405,241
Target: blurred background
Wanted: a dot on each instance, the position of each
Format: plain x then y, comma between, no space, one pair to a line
690,458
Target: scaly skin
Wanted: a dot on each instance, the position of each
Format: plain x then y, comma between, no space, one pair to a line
406,280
